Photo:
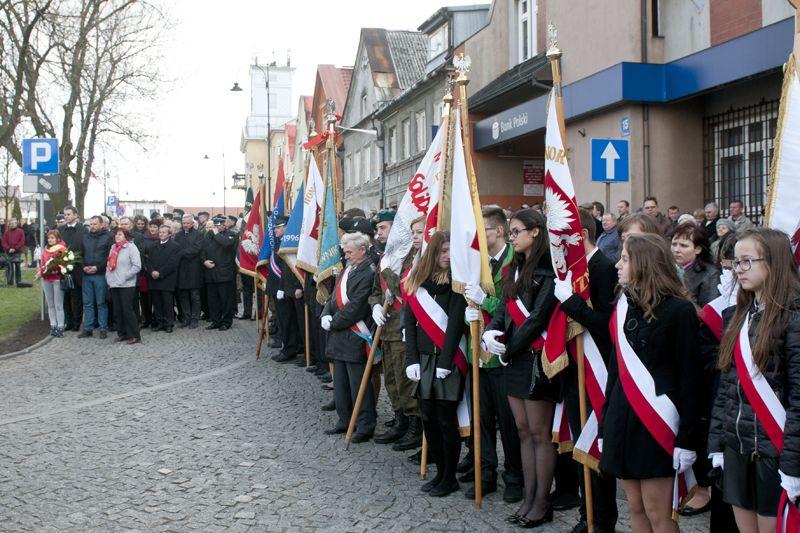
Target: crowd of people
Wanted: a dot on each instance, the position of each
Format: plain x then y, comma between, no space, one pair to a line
650,277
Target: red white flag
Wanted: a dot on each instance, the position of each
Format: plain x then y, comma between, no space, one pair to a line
250,244
564,231
313,198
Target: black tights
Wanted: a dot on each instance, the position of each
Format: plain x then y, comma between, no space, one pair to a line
534,420
440,423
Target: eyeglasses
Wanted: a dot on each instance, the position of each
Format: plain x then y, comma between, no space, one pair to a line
515,232
745,264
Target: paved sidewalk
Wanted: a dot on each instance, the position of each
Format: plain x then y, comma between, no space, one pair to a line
188,431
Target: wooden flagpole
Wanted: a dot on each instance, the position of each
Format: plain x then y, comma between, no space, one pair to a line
308,343
554,55
423,459
376,339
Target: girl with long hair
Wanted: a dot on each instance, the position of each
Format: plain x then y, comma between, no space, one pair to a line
695,266
760,384
656,369
434,328
529,285
51,282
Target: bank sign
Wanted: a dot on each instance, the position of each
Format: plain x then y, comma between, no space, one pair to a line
510,124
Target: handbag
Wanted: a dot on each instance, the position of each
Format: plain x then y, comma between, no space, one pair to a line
539,380
67,282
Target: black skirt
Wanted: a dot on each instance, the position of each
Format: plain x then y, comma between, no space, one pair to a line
751,482
519,378
450,388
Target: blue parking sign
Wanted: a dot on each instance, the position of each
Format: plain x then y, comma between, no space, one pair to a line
40,156
610,161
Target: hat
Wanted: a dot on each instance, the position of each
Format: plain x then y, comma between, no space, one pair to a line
387,215
60,217
233,218
726,222
281,220
356,224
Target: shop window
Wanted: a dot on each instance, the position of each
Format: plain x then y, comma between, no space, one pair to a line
737,152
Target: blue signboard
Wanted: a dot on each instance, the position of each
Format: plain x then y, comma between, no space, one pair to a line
40,156
610,161
625,126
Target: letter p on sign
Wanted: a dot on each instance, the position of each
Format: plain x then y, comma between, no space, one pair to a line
40,156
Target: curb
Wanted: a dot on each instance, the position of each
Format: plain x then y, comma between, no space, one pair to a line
28,349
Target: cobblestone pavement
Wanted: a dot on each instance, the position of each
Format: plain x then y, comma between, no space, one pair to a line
189,431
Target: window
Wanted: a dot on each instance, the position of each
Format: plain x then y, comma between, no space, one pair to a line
348,172
366,170
392,146
356,169
406,139
526,29
655,16
437,41
422,135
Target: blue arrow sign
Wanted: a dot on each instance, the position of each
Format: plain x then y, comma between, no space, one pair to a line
610,161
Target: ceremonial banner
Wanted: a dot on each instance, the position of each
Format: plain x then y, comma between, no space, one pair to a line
291,236
248,200
328,256
782,211
250,243
469,257
564,231
313,198
265,256
422,191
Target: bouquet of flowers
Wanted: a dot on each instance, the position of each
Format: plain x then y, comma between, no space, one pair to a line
61,263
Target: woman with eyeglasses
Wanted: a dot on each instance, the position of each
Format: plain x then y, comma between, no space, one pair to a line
649,423
755,423
528,292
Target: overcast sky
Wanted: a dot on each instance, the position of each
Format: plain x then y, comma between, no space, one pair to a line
211,47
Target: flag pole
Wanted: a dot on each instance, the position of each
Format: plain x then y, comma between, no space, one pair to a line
446,161
554,55
376,339
308,344
462,66
423,459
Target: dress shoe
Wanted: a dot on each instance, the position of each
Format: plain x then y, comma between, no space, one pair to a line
193,324
184,324
155,327
330,406
118,339
486,488
527,523
390,423
321,371
466,464
428,486
580,527
413,436
444,488
85,333
327,378
300,361
564,502
283,358
335,431
224,327
212,326
134,341
274,343
416,458
168,329
103,334
394,433
512,493
311,368
467,477
361,437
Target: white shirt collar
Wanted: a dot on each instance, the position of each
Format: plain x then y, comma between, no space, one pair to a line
590,254
500,254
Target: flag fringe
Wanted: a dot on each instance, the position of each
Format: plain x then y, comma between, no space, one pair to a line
305,266
769,208
585,459
464,431
560,363
565,446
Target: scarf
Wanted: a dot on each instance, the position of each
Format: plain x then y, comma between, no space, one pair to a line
112,256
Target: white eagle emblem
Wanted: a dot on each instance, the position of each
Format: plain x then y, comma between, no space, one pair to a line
559,220
250,241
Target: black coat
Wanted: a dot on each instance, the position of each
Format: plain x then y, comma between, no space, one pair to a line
343,343
701,280
668,347
73,238
163,258
190,268
733,421
95,248
418,342
220,248
288,282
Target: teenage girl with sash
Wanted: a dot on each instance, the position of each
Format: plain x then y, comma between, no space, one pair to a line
755,423
521,318
434,335
652,404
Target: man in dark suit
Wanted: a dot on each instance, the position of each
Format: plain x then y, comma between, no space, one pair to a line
602,283
72,234
288,303
162,273
190,272
219,260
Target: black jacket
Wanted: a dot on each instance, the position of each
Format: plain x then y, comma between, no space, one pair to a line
668,348
73,238
733,421
190,269
95,248
288,282
539,300
343,343
220,248
163,258
417,341
701,280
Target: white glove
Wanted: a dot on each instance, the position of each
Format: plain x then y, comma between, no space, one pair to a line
326,322
475,293
377,315
493,346
600,445
790,484
472,314
412,372
442,373
280,295
682,460
717,460
563,288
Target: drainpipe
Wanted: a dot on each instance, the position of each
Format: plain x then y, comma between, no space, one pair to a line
645,109
381,163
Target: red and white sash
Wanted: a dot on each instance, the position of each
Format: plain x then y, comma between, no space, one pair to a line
656,411
562,434
359,328
433,320
769,412
711,315
397,303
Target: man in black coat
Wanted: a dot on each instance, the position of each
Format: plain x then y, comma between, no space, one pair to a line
162,273
602,283
289,304
219,260
190,272
72,235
